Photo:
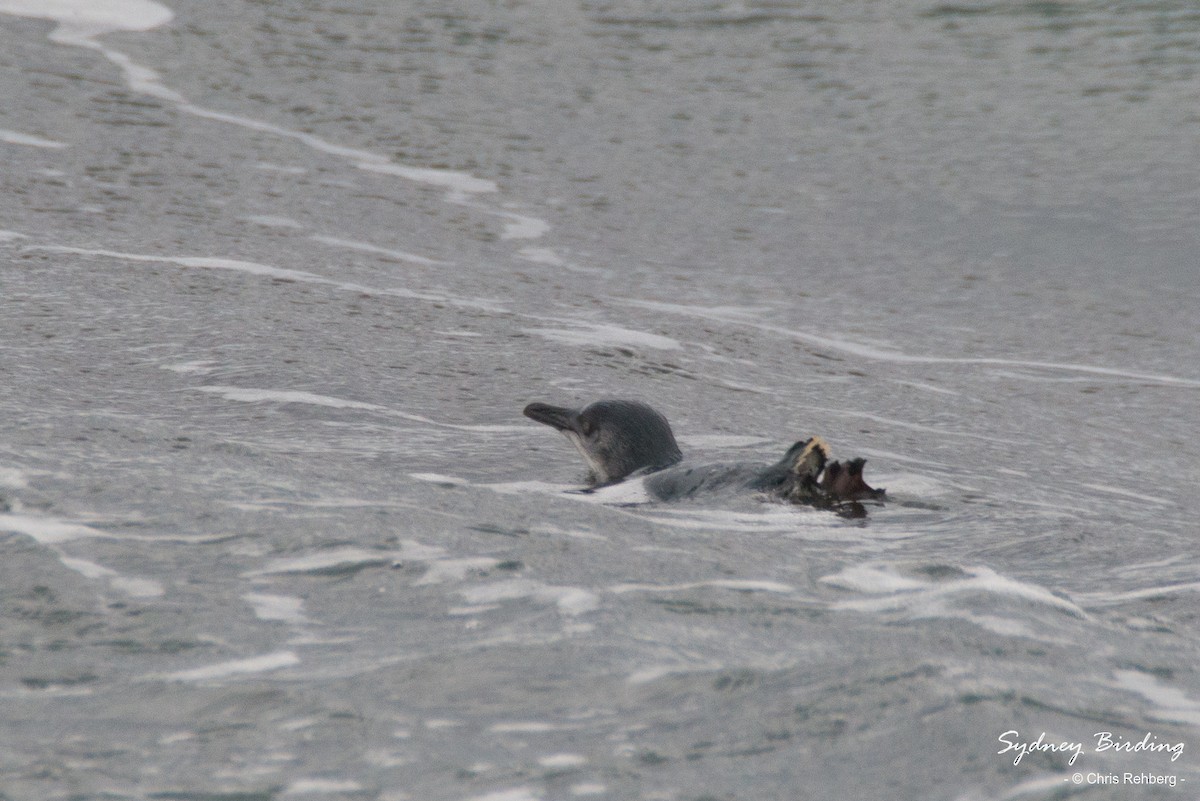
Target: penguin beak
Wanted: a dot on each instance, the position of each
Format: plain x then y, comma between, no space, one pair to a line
557,417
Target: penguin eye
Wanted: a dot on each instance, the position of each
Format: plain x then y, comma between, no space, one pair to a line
586,427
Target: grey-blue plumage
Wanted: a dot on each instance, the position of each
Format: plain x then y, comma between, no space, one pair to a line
620,438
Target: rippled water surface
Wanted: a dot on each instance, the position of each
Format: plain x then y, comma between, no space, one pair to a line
278,278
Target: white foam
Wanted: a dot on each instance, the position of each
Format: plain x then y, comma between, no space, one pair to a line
322,787
236,667
1112,598
541,488
1173,705
249,395
439,478
460,184
10,236
197,367
204,262
365,247
281,168
17,138
624,493
83,19
740,585
516,794
521,226
137,587
542,256
441,569
925,597
444,570
588,788
436,724
525,727
48,530
571,601
278,273
562,761
88,568
280,608
598,335
873,580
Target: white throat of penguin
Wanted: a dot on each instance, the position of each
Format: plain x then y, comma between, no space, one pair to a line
598,471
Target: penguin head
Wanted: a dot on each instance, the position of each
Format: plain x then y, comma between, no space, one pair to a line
615,437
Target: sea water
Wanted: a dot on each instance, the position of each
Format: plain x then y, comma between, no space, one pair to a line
278,278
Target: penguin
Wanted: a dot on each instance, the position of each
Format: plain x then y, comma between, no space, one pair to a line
619,439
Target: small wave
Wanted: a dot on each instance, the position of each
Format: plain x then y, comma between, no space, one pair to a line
84,19
562,761
1115,598
721,441
338,560
282,608
522,226
255,395
236,667
460,184
48,530
571,601
444,570
273,221
932,594
515,794
438,478
876,353
12,478
133,587
322,787
250,395
196,367
1171,704
81,22
737,585
772,518
1124,493
599,335
366,247
278,273
18,138
527,727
